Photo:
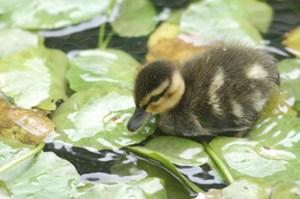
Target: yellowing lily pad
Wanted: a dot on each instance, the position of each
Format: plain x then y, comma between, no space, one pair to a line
53,14
34,77
14,40
164,31
98,118
135,18
101,68
27,126
292,42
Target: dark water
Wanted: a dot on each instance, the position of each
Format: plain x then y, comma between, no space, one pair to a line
107,165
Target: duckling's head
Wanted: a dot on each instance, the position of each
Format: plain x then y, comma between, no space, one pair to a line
159,86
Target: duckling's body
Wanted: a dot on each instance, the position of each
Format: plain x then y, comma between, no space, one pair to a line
217,91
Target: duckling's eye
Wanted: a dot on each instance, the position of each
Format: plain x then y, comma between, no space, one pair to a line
155,98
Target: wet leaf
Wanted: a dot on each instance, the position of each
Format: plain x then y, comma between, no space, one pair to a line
286,191
148,188
240,189
167,163
98,118
6,6
3,190
135,18
290,79
222,20
14,40
180,151
27,126
277,105
292,42
269,152
53,14
34,77
102,68
42,176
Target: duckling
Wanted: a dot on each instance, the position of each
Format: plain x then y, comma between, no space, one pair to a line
220,90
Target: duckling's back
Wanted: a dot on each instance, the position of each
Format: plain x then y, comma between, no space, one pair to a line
225,88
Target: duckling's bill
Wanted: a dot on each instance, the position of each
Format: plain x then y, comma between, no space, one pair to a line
137,119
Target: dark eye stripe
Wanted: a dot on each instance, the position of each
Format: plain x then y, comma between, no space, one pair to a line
155,98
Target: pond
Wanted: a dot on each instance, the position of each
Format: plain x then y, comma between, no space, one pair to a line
83,90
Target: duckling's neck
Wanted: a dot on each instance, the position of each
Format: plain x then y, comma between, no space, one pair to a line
176,89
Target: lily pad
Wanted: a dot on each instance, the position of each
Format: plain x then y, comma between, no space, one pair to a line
270,152
164,31
180,151
98,118
240,189
102,69
27,126
3,190
220,19
167,163
286,191
14,40
290,79
148,188
53,14
135,18
292,42
6,6
43,176
34,77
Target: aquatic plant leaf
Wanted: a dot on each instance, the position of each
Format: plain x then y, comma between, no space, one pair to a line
269,152
242,188
148,188
292,42
4,194
164,31
98,118
180,151
277,106
135,18
27,126
286,191
6,6
42,176
34,77
167,163
14,40
221,20
102,68
53,14
290,79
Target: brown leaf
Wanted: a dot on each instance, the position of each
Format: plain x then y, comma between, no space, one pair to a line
27,126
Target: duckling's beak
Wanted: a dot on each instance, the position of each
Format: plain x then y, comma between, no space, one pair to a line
137,119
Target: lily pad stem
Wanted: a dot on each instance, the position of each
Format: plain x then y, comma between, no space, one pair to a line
218,161
107,40
22,157
101,35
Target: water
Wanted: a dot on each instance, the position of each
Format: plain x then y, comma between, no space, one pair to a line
107,165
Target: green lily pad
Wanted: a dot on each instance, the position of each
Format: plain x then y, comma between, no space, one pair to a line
43,176
14,40
135,18
221,19
3,190
6,6
34,77
53,14
240,189
102,68
148,188
269,152
179,151
290,78
286,191
167,163
98,118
